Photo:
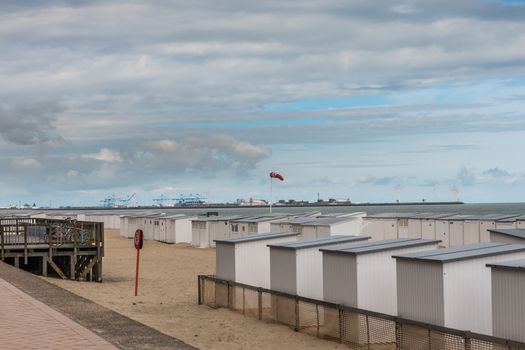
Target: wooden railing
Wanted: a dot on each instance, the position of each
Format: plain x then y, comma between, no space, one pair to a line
29,233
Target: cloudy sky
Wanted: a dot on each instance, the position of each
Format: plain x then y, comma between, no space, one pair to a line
367,100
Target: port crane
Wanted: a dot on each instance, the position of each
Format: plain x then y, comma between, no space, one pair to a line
125,201
112,201
162,200
191,199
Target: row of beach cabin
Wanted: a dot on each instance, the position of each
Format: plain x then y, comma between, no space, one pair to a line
201,231
206,230
451,229
160,227
475,287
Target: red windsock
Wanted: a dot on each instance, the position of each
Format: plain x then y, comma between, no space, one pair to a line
277,176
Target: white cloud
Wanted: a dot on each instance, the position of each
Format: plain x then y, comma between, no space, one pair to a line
107,155
26,163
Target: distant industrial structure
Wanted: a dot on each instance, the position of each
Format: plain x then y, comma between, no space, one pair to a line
181,200
113,202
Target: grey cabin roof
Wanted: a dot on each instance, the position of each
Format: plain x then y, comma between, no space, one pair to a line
328,221
299,220
457,217
257,237
424,216
219,218
178,216
378,246
390,216
492,217
513,218
512,264
318,242
471,251
256,219
514,232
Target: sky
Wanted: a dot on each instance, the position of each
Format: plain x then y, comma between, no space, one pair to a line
375,101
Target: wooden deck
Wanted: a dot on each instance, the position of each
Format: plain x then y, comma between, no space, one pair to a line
73,249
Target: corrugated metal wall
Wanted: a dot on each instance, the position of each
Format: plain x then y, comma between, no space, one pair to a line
252,261
456,233
182,230
225,261
308,232
414,228
500,238
310,273
390,229
420,291
339,276
484,227
376,279
467,293
508,303
442,232
505,225
471,230
351,227
428,229
283,269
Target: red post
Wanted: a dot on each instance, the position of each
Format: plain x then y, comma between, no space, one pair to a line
138,241
137,273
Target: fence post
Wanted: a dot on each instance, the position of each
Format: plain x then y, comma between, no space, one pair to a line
2,240
398,335
229,295
243,301
367,332
341,316
296,314
25,244
429,339
199,286
259,301
468,343
317,315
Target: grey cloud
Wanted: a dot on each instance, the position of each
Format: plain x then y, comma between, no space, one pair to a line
496,172
387,180
29,123
210,153
147,163
504,175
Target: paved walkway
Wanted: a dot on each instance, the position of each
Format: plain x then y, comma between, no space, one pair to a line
26,323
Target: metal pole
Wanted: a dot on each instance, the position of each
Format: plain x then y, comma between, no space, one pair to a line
137,273
271,193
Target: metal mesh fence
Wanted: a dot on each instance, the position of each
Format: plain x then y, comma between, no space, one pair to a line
355,328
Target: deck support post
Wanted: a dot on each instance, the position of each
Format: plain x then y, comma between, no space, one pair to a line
72,266
44,266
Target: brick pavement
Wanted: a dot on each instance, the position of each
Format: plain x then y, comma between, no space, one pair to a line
26,323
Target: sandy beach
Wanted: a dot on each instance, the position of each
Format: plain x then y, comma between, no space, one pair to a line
167,298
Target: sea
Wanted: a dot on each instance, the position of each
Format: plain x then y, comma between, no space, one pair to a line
467,208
